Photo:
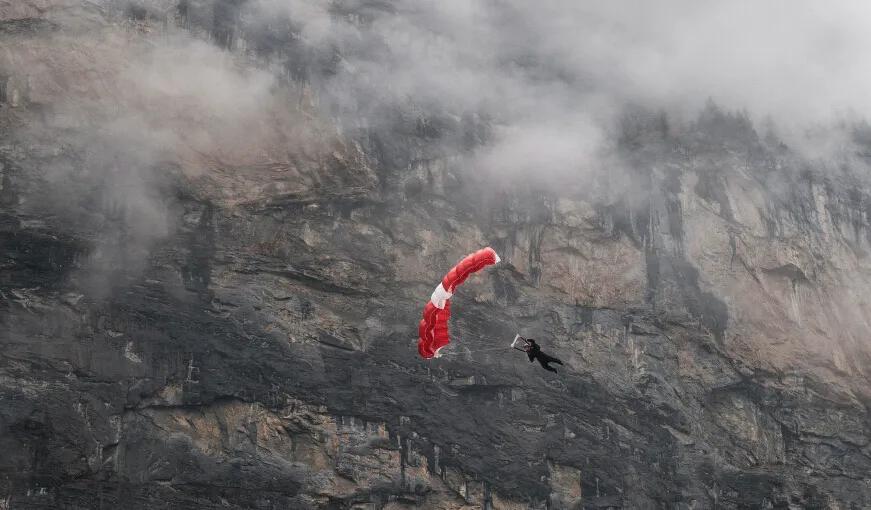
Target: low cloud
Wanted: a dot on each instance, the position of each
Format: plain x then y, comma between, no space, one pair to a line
564,66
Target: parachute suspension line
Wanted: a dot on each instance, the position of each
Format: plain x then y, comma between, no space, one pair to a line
473,351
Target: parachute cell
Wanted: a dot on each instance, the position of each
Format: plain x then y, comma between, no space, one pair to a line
433,329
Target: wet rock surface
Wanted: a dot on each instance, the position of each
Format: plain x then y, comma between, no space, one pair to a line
252,344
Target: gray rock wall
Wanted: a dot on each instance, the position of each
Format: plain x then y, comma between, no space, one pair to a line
226,317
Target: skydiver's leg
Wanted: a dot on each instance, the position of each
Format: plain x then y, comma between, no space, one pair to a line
544,365
551,359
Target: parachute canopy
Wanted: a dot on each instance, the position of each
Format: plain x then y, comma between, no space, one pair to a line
433,329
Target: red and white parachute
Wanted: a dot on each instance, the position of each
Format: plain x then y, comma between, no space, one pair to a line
433,329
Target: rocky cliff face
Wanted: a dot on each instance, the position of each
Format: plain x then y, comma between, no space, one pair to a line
210,300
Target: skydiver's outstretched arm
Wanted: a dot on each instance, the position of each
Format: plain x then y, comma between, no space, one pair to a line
530,349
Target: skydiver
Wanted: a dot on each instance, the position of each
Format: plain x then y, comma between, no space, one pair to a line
533,351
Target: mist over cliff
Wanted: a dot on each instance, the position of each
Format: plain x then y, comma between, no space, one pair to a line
220,221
